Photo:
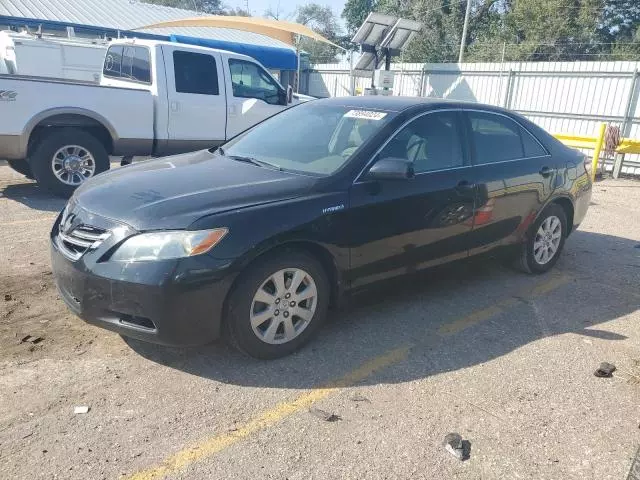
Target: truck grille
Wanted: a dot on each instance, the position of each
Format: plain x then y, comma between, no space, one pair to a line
76,242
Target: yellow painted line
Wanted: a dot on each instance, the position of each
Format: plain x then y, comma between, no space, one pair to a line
213,445
475,317
268,418
552,284
23,222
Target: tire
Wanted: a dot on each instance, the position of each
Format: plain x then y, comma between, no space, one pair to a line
532,257
49,150
22,167
266,339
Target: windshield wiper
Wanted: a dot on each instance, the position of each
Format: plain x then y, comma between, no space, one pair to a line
254,161
251,160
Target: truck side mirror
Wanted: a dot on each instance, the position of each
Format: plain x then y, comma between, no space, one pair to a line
289,94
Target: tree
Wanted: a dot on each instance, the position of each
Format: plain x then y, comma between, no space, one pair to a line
275,14
237,12
355,12
322,20
213,7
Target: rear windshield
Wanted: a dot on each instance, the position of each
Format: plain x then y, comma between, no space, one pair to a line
311,138
128,62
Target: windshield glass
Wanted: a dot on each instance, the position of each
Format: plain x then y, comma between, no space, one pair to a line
311,138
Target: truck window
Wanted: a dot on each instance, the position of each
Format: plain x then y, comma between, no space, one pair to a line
128,62
249,80
195,73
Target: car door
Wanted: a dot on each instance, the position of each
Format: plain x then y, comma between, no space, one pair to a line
400,226
195,94
514,174
253,95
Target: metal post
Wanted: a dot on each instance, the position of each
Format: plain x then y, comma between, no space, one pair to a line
596,151
335,87
463,40
352,79
506,102
625,131
298,71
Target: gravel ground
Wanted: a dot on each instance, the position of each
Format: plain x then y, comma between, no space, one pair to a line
502,358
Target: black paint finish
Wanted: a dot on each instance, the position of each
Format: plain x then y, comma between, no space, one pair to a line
362,229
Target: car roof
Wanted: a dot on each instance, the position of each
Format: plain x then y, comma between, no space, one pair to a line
398,104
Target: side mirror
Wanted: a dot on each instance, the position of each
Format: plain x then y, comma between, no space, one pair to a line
282,97
289,94
391,168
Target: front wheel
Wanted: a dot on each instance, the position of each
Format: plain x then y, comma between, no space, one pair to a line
545,241
65,158
277,305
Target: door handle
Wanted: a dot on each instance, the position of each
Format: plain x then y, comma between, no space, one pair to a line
546,171
465,185
175,106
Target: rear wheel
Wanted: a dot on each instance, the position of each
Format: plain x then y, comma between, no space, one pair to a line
278,305
22,167
546,240
65,158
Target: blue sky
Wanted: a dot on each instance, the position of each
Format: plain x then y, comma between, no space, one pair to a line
287,7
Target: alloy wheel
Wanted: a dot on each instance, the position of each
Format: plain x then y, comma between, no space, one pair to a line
73,164
283,306
547,240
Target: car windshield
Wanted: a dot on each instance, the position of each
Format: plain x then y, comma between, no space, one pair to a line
312,138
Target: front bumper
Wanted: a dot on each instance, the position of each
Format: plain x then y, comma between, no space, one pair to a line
174,302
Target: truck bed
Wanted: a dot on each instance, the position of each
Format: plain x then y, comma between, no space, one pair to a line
28,101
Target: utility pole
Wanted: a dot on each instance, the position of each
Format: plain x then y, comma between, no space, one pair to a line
464,31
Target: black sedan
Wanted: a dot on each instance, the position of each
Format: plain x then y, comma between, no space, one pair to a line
260,236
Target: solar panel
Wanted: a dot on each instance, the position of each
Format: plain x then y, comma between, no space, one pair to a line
374,29
400,34
366,62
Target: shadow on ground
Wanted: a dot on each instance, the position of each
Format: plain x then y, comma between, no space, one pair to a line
409,311
33,196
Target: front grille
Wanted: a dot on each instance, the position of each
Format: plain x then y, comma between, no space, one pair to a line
77,241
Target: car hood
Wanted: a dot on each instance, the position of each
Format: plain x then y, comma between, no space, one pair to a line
173,192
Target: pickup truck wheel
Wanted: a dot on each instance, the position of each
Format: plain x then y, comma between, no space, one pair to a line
65,158
278,305
22,167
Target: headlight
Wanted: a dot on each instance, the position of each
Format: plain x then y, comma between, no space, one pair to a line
167,245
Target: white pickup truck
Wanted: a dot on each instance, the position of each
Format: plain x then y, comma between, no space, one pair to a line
154,98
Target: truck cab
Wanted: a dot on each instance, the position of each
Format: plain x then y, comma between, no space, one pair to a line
154,98
202,96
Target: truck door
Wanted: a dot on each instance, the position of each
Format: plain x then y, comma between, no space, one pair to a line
196,100
254,95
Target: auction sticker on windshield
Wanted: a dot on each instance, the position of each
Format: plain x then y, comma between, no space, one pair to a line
365,114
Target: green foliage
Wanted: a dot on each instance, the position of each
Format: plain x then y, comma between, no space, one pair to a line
322,20
522,30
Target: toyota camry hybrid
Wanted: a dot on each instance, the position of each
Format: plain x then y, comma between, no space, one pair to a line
259,237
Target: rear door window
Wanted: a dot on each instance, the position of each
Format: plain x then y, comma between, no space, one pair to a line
496,138
532,147
195,73
129,62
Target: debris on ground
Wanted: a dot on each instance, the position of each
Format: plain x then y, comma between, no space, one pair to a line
326,416
453,443
31,339
605,370
359,398
80,410
7,297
